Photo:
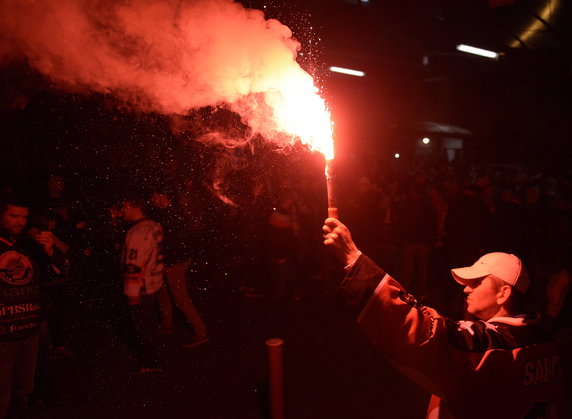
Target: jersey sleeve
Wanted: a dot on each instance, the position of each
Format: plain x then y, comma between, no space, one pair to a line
454,360
411,336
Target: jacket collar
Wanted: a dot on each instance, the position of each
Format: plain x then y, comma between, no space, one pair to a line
518,320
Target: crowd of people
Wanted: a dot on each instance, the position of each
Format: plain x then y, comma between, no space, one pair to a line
135,252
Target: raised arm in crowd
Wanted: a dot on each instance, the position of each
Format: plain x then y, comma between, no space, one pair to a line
500,364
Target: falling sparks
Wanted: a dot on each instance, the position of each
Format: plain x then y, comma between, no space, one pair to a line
171,57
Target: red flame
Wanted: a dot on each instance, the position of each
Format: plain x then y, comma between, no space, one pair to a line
300,111
171,56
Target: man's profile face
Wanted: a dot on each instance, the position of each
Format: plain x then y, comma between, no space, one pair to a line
14,219
482,297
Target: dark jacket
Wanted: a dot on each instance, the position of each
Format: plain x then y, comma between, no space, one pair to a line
506,367
23,267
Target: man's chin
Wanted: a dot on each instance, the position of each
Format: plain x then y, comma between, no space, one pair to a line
469,312
466,305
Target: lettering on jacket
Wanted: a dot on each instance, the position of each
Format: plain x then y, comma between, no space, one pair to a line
10,310
24,291
540,370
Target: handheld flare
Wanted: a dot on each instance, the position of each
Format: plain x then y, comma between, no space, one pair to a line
332,198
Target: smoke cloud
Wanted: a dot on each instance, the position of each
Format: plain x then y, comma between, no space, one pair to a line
167,56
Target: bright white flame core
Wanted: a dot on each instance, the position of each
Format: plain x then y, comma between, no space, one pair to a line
172,56
300,111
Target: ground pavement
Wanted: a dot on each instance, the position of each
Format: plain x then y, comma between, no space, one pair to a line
330,370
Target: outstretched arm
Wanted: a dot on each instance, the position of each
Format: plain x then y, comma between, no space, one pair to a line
408,334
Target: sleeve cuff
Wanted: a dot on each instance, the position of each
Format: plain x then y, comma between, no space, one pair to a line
349,266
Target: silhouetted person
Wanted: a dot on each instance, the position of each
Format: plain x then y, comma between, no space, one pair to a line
467,228
282,249
364,204
418,230
177,245
25,262
508,224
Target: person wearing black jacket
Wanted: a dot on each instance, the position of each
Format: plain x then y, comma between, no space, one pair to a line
24,263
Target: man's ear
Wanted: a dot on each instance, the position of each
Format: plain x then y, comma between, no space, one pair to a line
503,294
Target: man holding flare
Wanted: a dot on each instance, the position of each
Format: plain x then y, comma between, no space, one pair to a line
500,365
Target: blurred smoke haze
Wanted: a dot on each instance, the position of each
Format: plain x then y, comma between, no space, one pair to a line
166,56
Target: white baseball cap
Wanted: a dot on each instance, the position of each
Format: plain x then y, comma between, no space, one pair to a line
504,266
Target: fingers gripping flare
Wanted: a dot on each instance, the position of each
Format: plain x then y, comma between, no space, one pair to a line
338,239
